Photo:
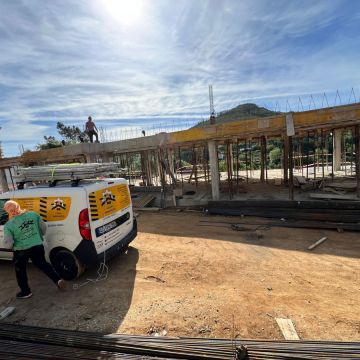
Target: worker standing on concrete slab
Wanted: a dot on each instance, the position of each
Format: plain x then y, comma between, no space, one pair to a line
24,234
91,129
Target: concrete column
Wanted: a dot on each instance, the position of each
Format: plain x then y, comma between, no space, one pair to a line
3,181
337,149
171,160
214,169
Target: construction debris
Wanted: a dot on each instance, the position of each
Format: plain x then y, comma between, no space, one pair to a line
334,196
331,211
287,329
6,312
317,243
340,227
143,200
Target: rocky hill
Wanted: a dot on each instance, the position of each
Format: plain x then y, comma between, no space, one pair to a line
241,112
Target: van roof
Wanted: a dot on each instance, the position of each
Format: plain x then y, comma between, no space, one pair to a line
69,185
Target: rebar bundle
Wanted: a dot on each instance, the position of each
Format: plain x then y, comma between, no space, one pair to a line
29,342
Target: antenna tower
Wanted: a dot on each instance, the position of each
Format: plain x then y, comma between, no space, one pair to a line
212,110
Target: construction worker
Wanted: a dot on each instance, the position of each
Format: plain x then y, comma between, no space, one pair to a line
24,234
91,129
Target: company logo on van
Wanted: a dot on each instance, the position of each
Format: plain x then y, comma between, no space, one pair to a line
50,208
58,204
107,198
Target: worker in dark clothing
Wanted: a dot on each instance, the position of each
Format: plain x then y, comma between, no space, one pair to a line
24,234
91,129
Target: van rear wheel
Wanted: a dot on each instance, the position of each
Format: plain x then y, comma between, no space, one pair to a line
67,265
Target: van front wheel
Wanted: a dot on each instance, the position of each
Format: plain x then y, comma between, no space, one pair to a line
67,265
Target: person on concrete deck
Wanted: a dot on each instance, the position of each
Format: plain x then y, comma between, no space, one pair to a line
24,234
91,129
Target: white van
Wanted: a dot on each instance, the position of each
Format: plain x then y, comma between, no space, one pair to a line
87,221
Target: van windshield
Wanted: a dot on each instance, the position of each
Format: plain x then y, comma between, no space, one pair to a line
3,214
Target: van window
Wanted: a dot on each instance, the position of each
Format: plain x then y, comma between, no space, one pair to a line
3,214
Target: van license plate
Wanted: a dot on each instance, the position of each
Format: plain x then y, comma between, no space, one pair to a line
101,230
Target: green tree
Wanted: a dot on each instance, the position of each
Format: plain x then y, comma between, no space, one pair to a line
71,134
275,157
50,143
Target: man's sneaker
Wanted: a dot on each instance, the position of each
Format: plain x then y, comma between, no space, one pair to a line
23,295
62,284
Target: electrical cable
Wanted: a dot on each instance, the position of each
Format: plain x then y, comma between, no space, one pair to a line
102,274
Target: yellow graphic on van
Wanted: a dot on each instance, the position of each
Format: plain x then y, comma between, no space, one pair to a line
49,208
58,204
107,198
107,202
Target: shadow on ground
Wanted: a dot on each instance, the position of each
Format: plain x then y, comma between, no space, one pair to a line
91,302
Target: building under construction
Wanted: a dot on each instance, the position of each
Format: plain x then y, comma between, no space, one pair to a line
229,161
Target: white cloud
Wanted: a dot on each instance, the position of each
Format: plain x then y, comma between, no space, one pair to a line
66,60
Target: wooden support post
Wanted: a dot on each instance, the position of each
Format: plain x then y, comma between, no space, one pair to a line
344,152
250,157
205,164
3,181
286,158
314,162
246,160
357,159
302,155
142,164
171,161
291,167
181,172
322,158
237,164
105,157
263,159
149,169
307,156
228,149
195,165
128,167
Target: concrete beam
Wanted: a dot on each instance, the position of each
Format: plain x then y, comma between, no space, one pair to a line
329,118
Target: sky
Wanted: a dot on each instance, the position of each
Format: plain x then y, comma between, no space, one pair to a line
147,64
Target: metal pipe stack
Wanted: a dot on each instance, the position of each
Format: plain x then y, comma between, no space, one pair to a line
29,342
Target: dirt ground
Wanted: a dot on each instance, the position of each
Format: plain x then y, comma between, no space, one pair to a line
188,274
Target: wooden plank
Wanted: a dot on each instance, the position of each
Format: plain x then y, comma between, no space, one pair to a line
142,201
333,196
147,209
287,329
6,312
346,185
317,243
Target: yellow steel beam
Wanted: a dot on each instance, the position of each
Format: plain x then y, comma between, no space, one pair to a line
336,117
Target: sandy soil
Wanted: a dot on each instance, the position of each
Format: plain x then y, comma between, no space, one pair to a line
190,277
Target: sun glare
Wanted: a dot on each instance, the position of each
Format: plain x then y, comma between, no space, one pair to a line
126,12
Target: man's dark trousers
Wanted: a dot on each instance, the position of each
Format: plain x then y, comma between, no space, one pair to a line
37,255
93,133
